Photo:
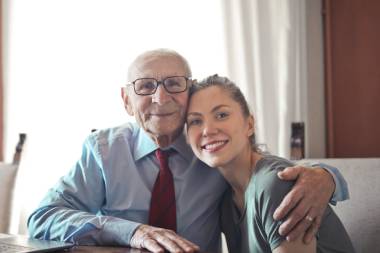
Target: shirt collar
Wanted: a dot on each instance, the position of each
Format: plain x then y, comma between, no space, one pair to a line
144,145
180,145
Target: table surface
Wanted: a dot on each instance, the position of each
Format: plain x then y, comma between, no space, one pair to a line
93,249
88,249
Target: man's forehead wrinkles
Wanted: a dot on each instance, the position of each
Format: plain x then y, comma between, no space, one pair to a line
146,68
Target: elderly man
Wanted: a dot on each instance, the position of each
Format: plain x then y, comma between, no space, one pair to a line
140,185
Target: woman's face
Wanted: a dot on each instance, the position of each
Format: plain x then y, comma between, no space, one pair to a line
217,130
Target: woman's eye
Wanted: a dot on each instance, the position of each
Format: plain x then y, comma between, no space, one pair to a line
221,115
194,122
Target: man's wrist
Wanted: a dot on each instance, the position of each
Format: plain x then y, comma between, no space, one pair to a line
137,237
341,189
332,180
119,230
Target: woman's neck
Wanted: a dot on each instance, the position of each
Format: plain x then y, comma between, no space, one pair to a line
238,173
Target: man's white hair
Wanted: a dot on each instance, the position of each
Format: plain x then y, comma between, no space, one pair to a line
155,53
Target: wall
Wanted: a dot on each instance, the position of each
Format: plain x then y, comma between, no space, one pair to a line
316,130
353,77
1,86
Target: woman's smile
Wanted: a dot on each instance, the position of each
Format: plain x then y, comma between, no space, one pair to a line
214,146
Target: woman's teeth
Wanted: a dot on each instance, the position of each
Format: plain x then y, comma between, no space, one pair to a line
213,145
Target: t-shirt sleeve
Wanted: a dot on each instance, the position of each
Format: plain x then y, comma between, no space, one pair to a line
269,193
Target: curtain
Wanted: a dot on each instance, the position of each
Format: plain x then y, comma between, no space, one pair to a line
267,57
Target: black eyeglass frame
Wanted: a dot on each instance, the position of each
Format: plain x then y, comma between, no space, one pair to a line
162,82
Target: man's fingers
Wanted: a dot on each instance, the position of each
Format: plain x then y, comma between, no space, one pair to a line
300,228
185,244
167,243
172,242
188,247
151,245
293,197
159,239
288,203
290,173
312,231
296,216
308,226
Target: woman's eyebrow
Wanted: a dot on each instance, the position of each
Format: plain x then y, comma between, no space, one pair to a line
218,107
213,110
194,114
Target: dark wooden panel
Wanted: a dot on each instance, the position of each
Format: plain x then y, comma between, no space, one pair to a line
352,44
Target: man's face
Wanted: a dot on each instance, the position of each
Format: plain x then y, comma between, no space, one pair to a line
162,113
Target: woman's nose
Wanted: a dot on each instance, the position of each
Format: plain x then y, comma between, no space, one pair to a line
209,129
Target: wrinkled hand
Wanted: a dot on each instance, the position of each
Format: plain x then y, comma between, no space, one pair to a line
305,203
158,240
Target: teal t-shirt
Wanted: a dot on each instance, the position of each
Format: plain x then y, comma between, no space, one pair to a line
256,231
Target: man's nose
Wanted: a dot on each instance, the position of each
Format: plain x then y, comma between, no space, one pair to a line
161,96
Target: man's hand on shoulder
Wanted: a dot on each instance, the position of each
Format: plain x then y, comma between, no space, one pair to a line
158,240
305,204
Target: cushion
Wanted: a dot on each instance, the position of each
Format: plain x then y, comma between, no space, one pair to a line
360,214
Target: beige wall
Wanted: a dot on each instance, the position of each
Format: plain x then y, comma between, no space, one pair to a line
1,87
316,129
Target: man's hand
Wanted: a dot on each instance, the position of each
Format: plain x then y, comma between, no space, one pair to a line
305,204
158,240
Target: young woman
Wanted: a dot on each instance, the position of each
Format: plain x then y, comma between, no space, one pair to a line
221,133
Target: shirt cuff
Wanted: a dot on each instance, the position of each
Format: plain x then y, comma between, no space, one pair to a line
121,230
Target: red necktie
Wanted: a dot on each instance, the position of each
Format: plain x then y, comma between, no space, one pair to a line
162,211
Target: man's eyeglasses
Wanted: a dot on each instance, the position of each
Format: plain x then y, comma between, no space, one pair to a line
148,86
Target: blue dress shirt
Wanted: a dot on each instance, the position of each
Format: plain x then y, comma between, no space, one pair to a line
106,195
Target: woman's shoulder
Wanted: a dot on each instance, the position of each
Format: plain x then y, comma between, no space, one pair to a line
265,182
264,194
271,164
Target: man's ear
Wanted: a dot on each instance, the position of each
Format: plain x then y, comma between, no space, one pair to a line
126,100
251,125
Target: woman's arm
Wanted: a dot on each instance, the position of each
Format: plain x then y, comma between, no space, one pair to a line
297,246
268,191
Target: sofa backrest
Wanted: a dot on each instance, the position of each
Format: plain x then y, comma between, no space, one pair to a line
361,213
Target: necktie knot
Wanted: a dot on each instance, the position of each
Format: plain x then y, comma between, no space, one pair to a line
162,156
